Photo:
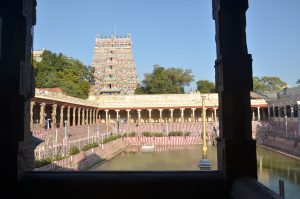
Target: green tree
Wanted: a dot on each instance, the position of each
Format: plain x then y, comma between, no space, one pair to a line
298,81
165,81
205,86
58,70
267,84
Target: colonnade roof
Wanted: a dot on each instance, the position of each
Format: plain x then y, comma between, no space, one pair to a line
154,101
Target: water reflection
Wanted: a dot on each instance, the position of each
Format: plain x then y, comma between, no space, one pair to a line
164,158
271,166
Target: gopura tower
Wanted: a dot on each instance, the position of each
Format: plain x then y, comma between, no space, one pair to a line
115,72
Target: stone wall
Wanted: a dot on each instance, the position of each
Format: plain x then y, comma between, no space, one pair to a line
291,147
87,159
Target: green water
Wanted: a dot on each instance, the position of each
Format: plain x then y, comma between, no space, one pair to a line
271,166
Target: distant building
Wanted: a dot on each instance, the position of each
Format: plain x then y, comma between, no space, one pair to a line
37,54
115,72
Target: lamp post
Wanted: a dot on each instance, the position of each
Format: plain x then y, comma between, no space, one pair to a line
204,162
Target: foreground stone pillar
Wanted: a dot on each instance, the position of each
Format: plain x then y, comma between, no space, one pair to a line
31,114
182,114
17,88
128,115
258,113
193,114
53,116
78,117
74,116
139,115
106,116
42,114
61,119
171,115
150,119
160,115
236,148
292,112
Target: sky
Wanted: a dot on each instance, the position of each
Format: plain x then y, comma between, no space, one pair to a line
172,33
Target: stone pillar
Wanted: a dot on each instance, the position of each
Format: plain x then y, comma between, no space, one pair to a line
215,114
128,115
160,115
258,113
263,114
150,119
31,113
212,116
139,115
53,116
87,117
234,65
61,119
42,114
172,117
182,114
292,112
74,116
90,116
106,116
253,115
269,113
193,114
97,117
83,117
117,115
274,113
78,117
68,116
284,111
